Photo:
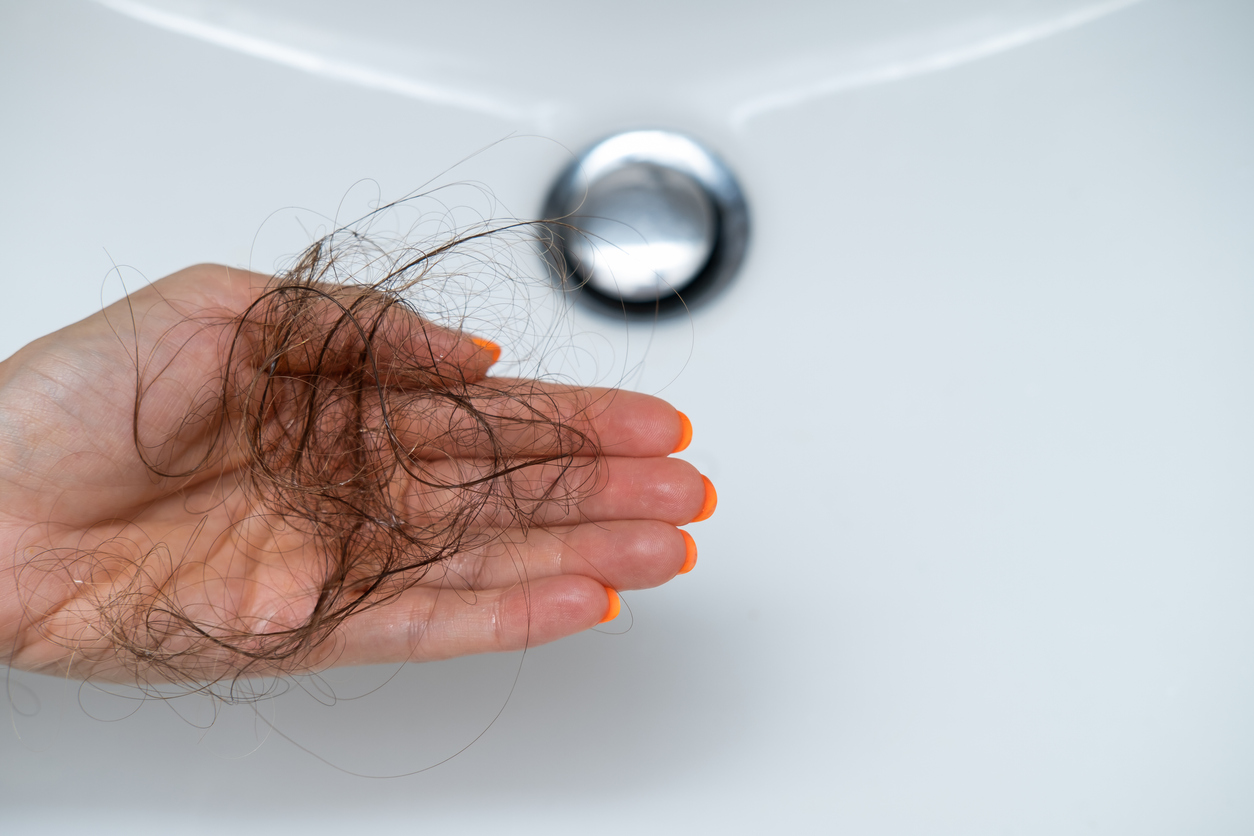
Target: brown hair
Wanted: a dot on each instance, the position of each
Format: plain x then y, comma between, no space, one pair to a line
317,402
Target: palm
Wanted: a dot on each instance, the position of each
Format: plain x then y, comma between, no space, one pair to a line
104,550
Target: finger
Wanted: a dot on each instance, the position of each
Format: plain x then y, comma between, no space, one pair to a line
624,554
530,418
429,624
557,493
324,329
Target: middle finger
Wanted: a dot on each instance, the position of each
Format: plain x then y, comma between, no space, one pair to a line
573,490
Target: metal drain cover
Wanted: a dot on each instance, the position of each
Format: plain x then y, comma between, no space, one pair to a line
646,223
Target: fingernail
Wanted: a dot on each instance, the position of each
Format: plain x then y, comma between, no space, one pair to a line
690,545
488,346
685,434
615,606
711,501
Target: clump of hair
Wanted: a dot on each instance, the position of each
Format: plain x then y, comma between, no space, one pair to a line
318,401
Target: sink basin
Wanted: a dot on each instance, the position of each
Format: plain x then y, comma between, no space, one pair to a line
978,405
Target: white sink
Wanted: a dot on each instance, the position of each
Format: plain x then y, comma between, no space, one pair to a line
980,406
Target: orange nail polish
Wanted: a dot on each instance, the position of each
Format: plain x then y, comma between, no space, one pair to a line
685,434
615,606
488,346
690,545
711,501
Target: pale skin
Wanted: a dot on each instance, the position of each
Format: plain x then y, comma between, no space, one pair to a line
71,480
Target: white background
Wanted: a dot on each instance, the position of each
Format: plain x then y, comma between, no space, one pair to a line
979,408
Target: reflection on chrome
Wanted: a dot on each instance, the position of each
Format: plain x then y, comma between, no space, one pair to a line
646,222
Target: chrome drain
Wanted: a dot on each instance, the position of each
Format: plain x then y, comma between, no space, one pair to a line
647,223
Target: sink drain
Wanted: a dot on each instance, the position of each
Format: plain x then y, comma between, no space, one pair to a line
647,223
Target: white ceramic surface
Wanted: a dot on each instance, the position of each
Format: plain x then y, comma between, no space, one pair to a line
980,407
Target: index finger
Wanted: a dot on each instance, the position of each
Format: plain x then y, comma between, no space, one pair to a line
325,329
530,418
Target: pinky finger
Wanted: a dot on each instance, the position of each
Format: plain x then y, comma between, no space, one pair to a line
425,625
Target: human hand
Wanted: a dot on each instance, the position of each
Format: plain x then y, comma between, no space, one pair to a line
190,492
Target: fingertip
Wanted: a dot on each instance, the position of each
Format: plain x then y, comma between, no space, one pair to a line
690,553
493,350
710,503
685,434
615,606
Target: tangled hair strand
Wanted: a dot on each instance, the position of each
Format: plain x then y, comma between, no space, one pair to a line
326,376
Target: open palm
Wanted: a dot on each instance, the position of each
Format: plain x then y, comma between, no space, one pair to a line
145,535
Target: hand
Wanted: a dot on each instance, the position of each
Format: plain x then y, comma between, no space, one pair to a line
145,532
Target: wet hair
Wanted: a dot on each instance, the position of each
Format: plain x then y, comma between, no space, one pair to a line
356,442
